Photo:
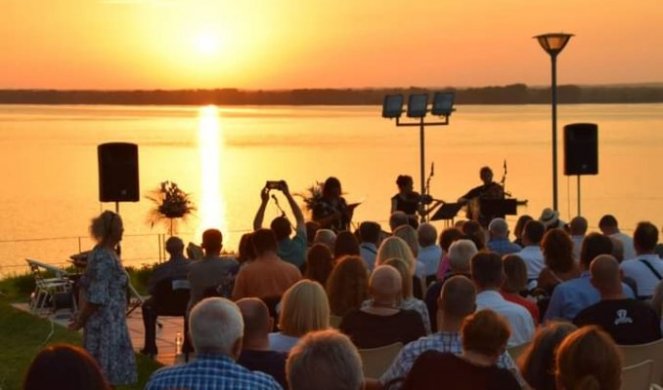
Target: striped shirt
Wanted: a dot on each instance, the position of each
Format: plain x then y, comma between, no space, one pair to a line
210,372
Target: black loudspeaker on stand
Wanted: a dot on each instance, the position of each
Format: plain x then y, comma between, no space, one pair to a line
118,172
581,151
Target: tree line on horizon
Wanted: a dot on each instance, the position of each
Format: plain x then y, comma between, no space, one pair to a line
509,94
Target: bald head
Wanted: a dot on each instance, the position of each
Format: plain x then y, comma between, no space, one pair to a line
457,298
606,277
498,228
385,283
578,226
257,323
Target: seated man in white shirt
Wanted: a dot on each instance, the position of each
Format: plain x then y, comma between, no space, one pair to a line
610,227
429,252
488,274
646,268
531,253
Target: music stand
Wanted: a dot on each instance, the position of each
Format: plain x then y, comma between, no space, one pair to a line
498,207
448,211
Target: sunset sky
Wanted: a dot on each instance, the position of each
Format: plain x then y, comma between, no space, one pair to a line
276,44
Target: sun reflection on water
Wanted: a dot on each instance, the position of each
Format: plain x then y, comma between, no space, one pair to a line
212,209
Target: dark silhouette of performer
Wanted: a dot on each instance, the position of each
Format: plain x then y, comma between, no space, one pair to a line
488,190
332,211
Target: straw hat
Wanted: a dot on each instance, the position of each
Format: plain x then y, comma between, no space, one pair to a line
550,218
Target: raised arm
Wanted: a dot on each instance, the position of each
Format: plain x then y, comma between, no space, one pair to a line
260,215
296,211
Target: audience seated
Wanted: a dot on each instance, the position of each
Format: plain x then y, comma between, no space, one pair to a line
383,322
409,235
484,337
488,276
319,264
447,237
311,230
520,228
531,253
628,321
570,297
346,244
456,302
347,285
326,237
256,355
537,362
399,248
558,258
588,359
176,268
429,253
245,251
499,243
515,281
324,360
212,271
267,276
304,308
63,366
610,227
398,218
473,231
647,268
216,329
578,230
370,240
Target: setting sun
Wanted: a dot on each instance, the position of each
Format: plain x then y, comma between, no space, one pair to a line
207,43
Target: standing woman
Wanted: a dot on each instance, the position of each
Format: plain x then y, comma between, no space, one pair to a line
332,211
104,304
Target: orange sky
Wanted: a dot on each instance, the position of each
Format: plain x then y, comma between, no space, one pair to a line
123,44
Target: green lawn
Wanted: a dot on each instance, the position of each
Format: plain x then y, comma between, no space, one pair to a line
22,335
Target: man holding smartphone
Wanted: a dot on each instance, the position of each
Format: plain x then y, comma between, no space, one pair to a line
292,250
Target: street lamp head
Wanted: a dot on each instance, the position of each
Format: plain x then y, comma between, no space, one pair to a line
553,43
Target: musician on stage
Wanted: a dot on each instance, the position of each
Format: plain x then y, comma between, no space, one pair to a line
488,190
409,201
332,211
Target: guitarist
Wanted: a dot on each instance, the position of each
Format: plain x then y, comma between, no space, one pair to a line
488,190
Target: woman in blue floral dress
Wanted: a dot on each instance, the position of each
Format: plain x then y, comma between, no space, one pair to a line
104,301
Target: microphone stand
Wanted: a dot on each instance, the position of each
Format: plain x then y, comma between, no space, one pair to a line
276,201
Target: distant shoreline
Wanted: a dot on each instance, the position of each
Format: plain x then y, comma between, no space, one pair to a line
492,95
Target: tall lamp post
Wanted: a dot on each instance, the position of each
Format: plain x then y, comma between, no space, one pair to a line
553,44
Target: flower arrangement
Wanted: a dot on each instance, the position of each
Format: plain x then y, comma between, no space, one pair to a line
171,203
312,195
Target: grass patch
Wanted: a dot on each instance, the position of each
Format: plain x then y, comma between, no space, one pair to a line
23,335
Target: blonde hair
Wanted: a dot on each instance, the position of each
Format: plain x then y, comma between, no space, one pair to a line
304,308
409,235
402,268
105,225
398,248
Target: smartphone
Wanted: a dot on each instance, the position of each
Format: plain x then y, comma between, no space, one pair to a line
273,184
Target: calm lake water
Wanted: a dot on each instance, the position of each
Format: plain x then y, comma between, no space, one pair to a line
223,155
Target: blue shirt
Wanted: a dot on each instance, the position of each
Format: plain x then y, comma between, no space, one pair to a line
572,296
210,372
502,246
293,250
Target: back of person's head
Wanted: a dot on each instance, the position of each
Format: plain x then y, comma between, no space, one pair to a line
588,359
533,232
281,227
409,235
370,232
427,235
448,236
406,276
397,218
212,241
346,244
557,248
311,228
385,283
175,246
485,332
63,366
498,228
326,237
608,222
216,327
593,245
515,271
257,322
457,299
319,263
106,226
578,226
404,180
396,247
347,285
247,251
304,307
520,225
617,248
487,270
460,254
645,237
264,241
537,362
474,231
324,360
331,187
605,274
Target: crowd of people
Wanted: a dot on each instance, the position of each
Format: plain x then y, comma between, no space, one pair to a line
295,305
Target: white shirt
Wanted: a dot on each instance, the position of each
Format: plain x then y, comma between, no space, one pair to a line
577,246
281,343
520,320
533,258
627,243
645,279
430,256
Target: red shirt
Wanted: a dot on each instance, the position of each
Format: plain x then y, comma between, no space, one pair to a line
530,306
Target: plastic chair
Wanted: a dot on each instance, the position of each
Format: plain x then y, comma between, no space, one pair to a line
634,354
47,289
638,376
377,360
